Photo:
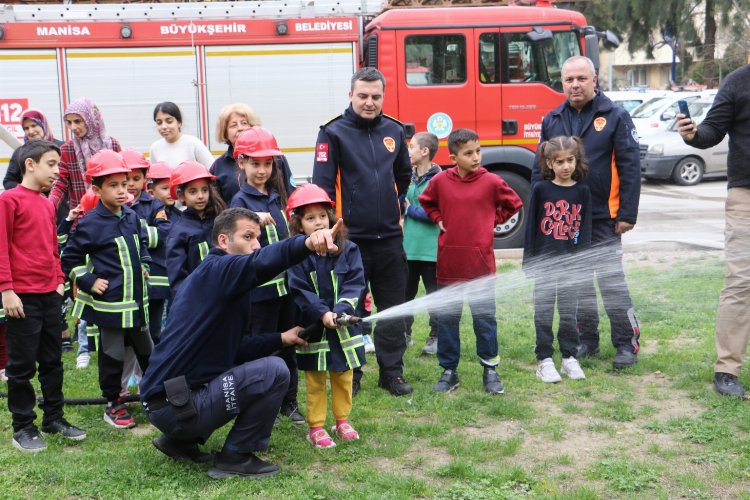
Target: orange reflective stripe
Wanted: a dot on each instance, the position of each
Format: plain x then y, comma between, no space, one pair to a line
339,198
614,190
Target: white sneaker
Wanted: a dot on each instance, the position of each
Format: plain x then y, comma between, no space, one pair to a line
547,372
82,361
369,345
572,369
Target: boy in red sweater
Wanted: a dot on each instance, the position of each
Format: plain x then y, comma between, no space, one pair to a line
31,281
466,202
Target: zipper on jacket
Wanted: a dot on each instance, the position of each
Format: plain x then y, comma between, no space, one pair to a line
377,178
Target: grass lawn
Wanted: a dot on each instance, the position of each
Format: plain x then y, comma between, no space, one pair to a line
654,431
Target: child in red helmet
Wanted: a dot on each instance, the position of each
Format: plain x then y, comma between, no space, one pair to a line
157,185
264,193
107,257
189,238
324,288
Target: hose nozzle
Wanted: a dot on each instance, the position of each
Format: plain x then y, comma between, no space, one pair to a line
346,320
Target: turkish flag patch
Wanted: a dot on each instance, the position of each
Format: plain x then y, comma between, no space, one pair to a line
321,154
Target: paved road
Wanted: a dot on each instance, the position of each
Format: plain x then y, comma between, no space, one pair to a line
680,216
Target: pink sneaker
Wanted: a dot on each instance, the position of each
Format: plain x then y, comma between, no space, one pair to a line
345,431
320,439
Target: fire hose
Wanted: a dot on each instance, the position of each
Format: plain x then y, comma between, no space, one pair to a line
341,321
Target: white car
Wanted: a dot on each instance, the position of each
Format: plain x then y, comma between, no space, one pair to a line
631,99
664,155
658,112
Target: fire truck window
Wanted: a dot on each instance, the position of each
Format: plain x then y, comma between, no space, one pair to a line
489,69
541,61
435,59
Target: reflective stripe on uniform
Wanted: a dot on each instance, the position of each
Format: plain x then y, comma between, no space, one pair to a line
128,293
62,239
155,280
203,249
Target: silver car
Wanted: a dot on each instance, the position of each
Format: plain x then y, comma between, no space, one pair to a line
664,155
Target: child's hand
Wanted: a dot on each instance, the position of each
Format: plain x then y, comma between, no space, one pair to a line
13,305
75,212
100,286
322,240
406,204
329,320
265,218
61,289
145,272
441,226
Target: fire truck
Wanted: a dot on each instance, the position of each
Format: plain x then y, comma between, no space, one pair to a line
491,68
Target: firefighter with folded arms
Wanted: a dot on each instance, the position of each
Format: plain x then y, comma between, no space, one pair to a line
205,373
106,257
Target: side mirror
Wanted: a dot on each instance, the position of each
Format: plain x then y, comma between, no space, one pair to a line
409,130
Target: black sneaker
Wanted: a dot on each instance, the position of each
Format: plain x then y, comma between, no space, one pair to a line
727,384
625,358
448,381
28,439
291,410
430,348
230,464
397,386
64,428
587,350
67,345
492,382
182,451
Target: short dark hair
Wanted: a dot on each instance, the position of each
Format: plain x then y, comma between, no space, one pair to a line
168,108
35,149
99,181
368,75
459,137
427,140
226,221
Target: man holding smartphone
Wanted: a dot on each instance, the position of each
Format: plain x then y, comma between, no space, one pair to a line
730,114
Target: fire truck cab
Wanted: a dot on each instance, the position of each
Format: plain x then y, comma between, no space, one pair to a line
494,69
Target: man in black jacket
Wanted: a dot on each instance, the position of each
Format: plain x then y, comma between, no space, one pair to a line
730,114
362,161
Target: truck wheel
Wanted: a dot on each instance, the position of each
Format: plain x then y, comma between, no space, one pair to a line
511,233
688,172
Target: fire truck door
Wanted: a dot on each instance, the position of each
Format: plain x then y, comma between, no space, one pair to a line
435,71
489,123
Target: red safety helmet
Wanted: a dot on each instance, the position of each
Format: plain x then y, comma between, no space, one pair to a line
257,142
187,171
105,162
307,194
159,170
134,159
89,201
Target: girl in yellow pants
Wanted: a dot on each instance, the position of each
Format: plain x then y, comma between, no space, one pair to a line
323,288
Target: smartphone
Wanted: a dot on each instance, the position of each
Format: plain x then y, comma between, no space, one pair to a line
683,105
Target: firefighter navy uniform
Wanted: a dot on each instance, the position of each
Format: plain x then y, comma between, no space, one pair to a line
153,217
188,244
229,374
112,247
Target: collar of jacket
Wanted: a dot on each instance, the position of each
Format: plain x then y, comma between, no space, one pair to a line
471,177
253,191
103,211
217,251
358,121
143,197
192,214
600,104
431,172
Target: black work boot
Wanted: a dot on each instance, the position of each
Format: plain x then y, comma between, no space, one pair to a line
229,463
727,384
182,451
291,410
397,386
625,358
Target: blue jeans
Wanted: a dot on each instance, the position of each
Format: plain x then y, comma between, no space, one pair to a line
485,330
83,339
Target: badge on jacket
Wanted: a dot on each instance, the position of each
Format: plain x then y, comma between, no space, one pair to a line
321,154
600,123
390,144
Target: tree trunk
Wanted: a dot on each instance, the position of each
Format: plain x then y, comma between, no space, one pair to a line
709,47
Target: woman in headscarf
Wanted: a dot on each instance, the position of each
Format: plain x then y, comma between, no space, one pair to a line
234,119
35,126
89,136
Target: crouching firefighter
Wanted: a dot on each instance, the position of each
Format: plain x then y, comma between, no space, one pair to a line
204,372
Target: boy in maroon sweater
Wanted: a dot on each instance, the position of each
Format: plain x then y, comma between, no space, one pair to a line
466,202
31,281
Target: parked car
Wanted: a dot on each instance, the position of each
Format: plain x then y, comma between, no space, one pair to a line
631,99
658,112
664,155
